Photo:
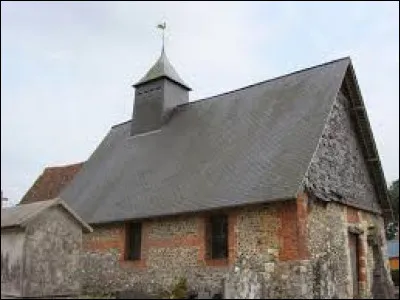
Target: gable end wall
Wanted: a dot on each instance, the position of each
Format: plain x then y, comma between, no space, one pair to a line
52,252
338,170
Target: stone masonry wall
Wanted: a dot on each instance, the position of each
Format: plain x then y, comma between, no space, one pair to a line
266,255
338,170
12,244
328,234
338,173
176,246
374,225
325,271
52,255
328,243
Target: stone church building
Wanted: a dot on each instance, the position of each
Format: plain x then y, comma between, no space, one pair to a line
282,177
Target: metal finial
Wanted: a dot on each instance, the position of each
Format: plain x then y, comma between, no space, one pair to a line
162,26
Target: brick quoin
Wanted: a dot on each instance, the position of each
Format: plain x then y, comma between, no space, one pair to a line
288,232
362,262
232,237
352,215
302,216
293,229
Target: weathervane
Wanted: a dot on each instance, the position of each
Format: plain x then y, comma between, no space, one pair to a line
162,26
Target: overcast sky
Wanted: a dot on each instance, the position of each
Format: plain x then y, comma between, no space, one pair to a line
67,67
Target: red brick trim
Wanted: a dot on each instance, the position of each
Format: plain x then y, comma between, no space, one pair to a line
288,232
352,215
293,229
141,263
216,262
362,263
232,241
302,217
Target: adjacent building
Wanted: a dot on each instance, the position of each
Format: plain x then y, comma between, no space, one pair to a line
41,245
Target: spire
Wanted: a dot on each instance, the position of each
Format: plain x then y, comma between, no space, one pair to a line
162,68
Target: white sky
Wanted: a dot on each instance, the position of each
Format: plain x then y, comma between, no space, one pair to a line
67,67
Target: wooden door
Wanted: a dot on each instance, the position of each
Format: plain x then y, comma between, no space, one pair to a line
354,259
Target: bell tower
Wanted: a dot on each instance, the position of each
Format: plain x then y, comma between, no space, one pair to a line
156,94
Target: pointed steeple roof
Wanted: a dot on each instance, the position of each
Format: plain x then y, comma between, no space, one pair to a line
162,68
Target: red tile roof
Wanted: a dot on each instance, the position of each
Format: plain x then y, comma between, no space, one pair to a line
51,182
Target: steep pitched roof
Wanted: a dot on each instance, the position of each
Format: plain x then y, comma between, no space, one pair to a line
247,146
19,216
162,68
50,183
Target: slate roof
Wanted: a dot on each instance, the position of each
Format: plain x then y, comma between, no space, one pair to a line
19,216
50,183
247,146
162,68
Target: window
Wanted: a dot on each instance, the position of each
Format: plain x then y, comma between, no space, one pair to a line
133,241
217,237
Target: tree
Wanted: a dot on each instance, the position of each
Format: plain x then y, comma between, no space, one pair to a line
392,227
394,198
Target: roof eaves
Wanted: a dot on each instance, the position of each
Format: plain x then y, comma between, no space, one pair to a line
368,142
162,77
149,216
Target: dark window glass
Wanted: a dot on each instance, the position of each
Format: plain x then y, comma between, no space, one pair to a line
217,238
133,241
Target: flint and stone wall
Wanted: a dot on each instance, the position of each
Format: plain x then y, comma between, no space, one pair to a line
326,273
338,170
337,174
174,247
328,229
264,253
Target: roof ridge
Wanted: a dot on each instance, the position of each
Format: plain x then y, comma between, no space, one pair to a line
38,208
252,85
122,123
269,80
63,166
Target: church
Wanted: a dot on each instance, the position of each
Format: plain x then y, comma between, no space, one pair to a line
282,176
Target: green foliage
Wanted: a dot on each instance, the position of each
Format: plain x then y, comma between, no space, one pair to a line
394,197
395,277
178,290
392,228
